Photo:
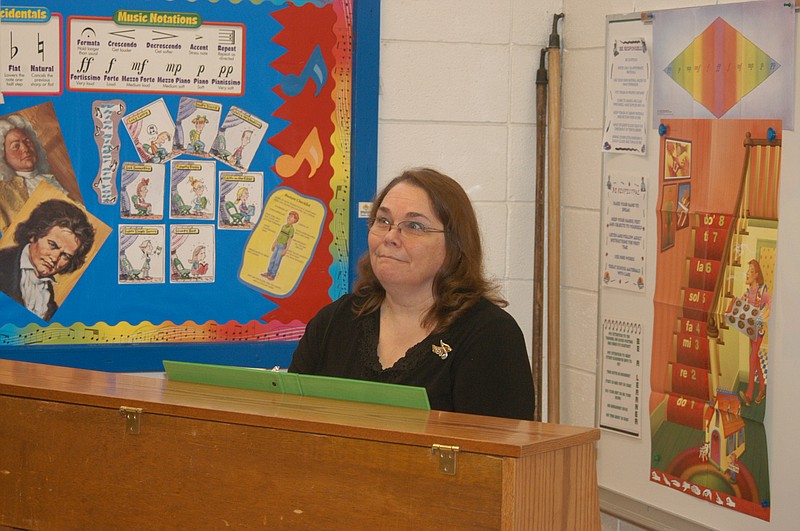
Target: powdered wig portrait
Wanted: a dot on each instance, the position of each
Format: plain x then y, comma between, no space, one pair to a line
15,121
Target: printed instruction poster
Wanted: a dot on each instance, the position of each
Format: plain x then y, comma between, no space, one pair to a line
624,232
620,390
627,96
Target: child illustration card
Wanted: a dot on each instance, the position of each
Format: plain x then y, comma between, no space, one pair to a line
238,138
283,242
240,199
151,129
196,127
141,254
192,189
191,253
142,196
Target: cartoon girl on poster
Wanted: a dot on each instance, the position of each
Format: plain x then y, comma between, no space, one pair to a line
199,265
757,295
247,210
200,201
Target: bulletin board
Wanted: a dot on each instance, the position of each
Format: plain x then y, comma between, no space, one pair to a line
625,461
218,149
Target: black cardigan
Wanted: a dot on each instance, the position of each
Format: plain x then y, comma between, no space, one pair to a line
486,371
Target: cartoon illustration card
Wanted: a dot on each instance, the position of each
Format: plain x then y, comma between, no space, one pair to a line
192,189
196,126
141,254
283,242
142,194
151,129
240,199
238,138
192,252
46,249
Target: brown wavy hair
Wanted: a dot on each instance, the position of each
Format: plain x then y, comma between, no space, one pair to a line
461,281
58,213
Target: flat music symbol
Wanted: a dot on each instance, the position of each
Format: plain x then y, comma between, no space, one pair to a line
311,151
315,69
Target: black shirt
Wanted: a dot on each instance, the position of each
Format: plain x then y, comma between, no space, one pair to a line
485,371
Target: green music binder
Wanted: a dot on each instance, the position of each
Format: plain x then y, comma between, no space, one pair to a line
298,384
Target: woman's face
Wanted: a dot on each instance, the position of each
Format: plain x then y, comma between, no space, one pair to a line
403,263
751,275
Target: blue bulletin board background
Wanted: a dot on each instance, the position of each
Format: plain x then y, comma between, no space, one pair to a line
104,323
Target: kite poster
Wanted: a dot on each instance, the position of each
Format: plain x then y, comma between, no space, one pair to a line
725,61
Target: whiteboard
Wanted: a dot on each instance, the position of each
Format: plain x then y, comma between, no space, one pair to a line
624,461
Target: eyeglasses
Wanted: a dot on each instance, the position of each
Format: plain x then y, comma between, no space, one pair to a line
381,226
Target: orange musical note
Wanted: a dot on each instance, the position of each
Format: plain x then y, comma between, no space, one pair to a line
287,165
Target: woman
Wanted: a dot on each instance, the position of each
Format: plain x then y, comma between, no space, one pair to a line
757,295
422,312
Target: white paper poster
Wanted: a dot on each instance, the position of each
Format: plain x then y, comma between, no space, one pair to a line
627,95
624,232
620,390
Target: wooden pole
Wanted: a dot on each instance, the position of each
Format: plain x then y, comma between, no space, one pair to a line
554,227
538,237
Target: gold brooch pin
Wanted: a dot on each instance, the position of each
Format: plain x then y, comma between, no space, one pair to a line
442,349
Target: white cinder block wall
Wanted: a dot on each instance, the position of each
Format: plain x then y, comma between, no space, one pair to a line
457,92
457,81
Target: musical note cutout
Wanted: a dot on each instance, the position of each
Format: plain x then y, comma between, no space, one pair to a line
106,116
286,166
315,69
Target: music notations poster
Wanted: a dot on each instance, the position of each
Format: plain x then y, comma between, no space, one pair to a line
187,127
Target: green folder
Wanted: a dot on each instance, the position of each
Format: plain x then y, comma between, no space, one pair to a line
298,384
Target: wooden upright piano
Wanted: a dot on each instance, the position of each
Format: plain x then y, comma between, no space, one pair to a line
84,449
